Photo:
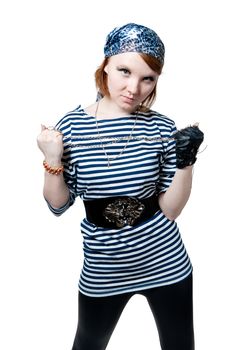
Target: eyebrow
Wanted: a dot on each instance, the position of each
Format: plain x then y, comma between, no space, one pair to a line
124,66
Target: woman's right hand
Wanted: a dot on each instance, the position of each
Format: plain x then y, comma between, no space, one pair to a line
50,142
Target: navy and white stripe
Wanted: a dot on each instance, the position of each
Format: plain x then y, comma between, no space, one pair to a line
131,258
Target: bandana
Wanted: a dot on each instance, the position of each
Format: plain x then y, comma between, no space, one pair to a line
134,38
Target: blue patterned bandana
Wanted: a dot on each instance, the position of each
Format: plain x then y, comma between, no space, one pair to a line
134,38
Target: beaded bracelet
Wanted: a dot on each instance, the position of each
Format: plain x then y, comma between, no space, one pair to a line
53,170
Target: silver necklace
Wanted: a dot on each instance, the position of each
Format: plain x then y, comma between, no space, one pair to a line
110,159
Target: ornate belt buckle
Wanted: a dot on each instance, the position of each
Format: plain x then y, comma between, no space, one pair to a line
123,211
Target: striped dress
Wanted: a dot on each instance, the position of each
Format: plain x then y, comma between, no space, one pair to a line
128,259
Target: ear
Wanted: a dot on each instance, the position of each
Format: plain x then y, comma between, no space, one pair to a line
106,69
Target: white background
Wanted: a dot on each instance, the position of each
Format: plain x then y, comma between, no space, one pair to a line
49,52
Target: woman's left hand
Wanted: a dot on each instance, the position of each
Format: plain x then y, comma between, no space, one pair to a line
188,141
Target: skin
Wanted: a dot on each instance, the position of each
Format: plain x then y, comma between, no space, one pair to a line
51,145
130,81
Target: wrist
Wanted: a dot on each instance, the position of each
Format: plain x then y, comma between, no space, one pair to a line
187,168
55,170
185,160
54,162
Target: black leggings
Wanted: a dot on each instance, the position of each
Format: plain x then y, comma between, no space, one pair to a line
171,307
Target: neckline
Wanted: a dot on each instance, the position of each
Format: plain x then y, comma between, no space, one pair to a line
127,116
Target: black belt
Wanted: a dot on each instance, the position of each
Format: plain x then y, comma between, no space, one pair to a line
117,212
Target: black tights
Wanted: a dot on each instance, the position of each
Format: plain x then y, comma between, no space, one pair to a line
171,307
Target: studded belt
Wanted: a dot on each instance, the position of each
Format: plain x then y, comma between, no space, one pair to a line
117,212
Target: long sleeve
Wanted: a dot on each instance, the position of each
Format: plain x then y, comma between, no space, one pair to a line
70,171
168,164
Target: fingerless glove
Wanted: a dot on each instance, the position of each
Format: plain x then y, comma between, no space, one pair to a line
188,141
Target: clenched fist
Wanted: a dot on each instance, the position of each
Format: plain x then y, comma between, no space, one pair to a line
50,142
188,141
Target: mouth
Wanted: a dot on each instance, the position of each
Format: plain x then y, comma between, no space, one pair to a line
128,99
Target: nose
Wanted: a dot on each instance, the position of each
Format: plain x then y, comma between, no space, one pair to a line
133,87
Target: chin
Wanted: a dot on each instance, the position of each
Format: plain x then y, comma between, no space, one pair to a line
128,106
128,109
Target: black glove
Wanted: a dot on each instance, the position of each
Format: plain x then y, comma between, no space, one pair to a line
188,141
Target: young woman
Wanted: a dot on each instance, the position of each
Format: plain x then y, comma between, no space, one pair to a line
133,171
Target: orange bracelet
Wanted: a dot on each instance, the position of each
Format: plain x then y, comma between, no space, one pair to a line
53,170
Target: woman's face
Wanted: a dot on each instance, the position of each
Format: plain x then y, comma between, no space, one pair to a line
130,80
